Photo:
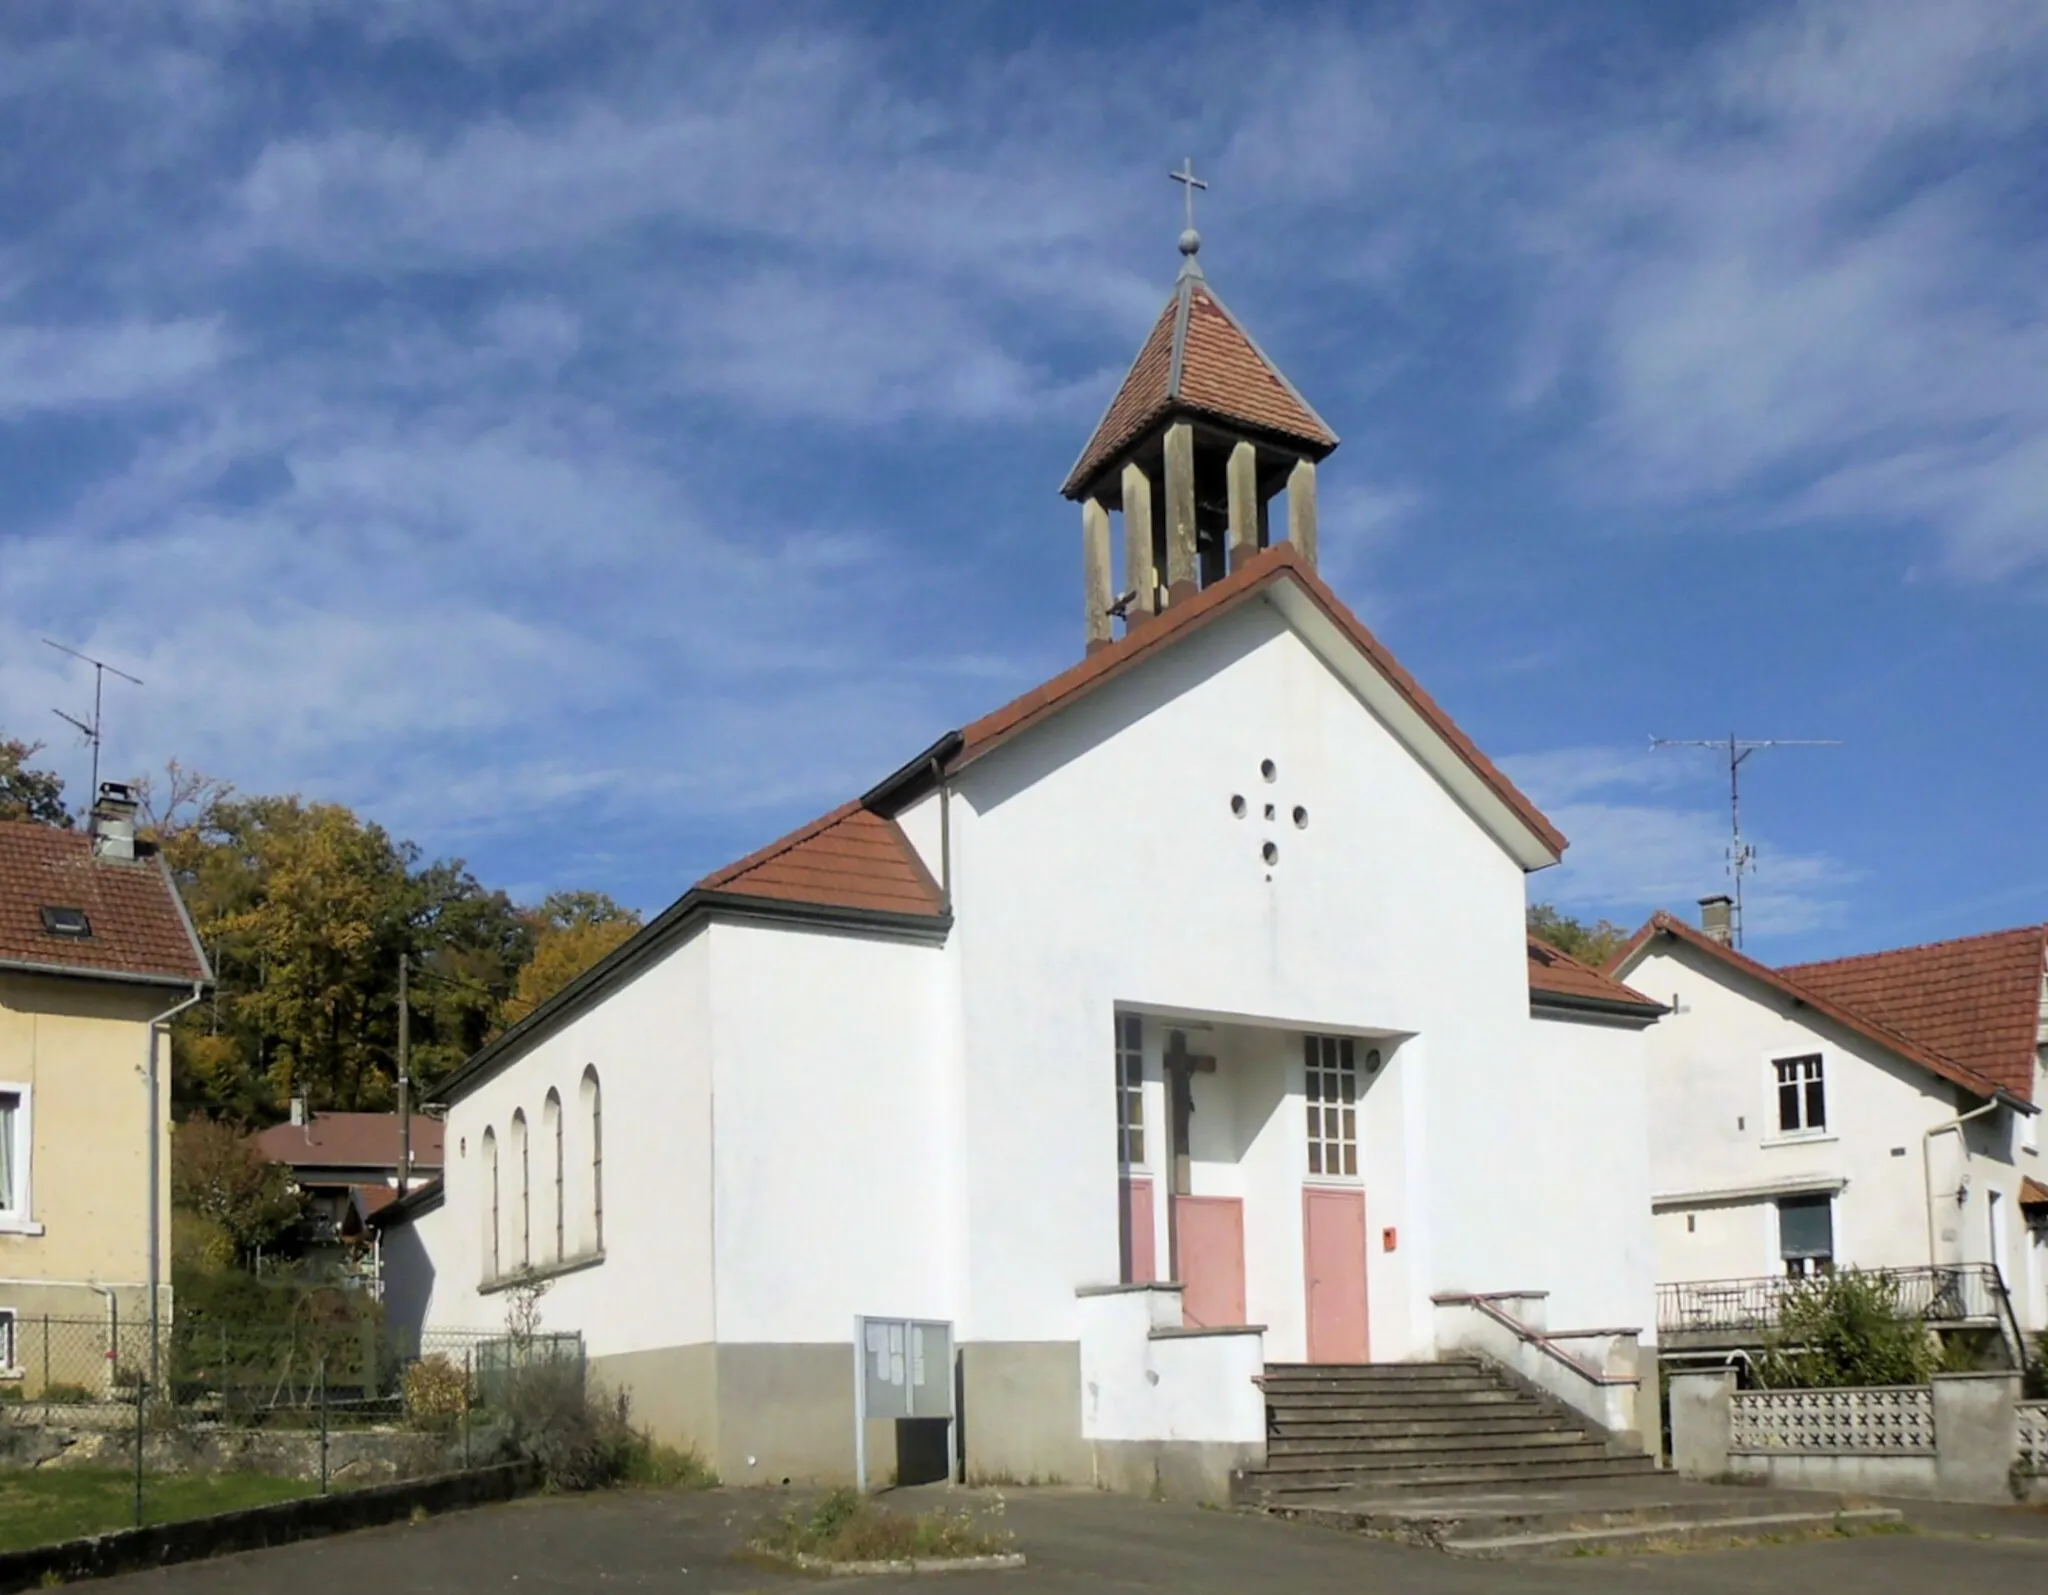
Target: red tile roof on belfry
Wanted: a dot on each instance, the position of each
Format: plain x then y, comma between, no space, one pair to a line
1976,1000
138,927
1199,358
856,857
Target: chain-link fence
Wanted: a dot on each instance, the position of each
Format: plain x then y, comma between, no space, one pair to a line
326,1400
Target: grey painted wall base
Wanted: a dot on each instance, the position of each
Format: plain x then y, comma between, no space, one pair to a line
770,1414
1174,1470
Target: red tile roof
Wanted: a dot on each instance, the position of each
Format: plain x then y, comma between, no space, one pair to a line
1857,1023
851,858
139,931
1976,1000
1554,972
1199,358
351,1140
2033,1193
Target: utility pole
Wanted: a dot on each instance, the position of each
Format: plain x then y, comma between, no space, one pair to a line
404,1075
1741,854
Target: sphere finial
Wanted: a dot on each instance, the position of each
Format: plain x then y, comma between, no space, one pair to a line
1190,242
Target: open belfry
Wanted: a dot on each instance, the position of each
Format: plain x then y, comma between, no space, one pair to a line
1204,433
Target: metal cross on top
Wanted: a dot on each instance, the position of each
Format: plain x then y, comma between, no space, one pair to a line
1189,183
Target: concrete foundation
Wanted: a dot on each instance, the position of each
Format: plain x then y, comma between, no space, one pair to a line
1021,1410
1173,1470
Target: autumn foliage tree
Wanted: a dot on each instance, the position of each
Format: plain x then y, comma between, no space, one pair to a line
26,792
1592,943
224,1195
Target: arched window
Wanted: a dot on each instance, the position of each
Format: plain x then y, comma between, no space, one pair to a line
551,1147
492,1254
525,1161
593,1121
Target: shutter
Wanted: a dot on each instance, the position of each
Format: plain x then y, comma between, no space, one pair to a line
1806,1227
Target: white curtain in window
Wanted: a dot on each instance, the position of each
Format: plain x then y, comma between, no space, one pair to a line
10,1113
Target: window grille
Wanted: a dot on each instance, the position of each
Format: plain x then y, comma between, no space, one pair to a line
1332,1105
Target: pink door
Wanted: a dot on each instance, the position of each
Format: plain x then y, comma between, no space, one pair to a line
1333,1231
1135,1226
1210,1233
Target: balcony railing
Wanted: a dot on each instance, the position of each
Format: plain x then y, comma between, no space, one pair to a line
1960,1293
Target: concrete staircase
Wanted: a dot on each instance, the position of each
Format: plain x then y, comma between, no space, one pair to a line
1454,1456
1379,1427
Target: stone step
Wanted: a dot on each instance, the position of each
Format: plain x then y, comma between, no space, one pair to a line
1479,1405
1440,1390
1420,1456
1472,1468
1533,1441
1407,1422
1391,1373
1676,1534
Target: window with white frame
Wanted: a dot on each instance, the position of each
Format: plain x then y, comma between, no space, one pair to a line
1130,1090
14,1144
1332,1105
1802,1095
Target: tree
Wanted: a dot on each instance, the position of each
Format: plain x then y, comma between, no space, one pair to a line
1590,944
27,793
220,1179
572,931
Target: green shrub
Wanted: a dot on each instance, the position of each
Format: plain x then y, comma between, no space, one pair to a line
10,1392
61,1394
1845,1329
652,1465
436,1394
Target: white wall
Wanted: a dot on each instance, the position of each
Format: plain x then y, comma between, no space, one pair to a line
1598,1258
835,1186
1713,1127
1096,862
649,1042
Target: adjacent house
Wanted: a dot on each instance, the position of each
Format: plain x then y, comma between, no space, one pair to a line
95,954
1879,1111
347,1167
1175,1017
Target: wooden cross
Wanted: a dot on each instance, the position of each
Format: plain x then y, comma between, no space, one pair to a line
1189,183
1181,1068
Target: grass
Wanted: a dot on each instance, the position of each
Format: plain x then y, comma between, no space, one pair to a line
650,1465
45,1505
847,1527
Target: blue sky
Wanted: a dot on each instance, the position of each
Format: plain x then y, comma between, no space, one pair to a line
593,440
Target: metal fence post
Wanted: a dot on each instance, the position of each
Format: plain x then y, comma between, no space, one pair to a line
468,1399
141,1391
323,1425
46,1356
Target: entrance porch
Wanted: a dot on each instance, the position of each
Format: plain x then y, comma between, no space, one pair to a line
1255,1162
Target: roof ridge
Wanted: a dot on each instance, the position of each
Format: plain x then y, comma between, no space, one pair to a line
1929,1058
1271,365
2038,930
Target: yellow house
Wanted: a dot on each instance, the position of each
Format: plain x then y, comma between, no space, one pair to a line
96,952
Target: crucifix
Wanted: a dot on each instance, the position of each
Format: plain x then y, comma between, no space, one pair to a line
1181,1068
1189,183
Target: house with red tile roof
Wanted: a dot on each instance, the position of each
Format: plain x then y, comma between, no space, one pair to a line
348,1167
1876,1111
1175,1019
95,954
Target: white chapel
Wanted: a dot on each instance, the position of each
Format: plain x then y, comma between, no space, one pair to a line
1172,1023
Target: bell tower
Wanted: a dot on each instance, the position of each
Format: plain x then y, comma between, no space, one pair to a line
1201,437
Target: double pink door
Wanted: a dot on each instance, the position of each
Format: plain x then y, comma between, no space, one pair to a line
1333,1244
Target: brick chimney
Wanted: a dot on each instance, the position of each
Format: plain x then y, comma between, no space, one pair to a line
113,821
1717,918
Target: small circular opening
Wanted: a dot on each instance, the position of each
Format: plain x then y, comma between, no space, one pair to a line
1237,804
1270,852
1269,769
1300,818
1372,1060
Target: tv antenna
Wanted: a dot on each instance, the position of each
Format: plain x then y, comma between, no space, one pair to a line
1741,854
90,729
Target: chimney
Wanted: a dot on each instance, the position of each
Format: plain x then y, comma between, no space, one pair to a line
113,821
299,1114
1716,918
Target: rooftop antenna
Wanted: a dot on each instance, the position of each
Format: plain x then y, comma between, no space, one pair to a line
1741,854
90,730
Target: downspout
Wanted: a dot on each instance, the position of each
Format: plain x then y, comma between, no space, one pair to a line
1927,1163
945,833
155,1173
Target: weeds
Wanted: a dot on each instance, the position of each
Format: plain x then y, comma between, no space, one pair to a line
846,1527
